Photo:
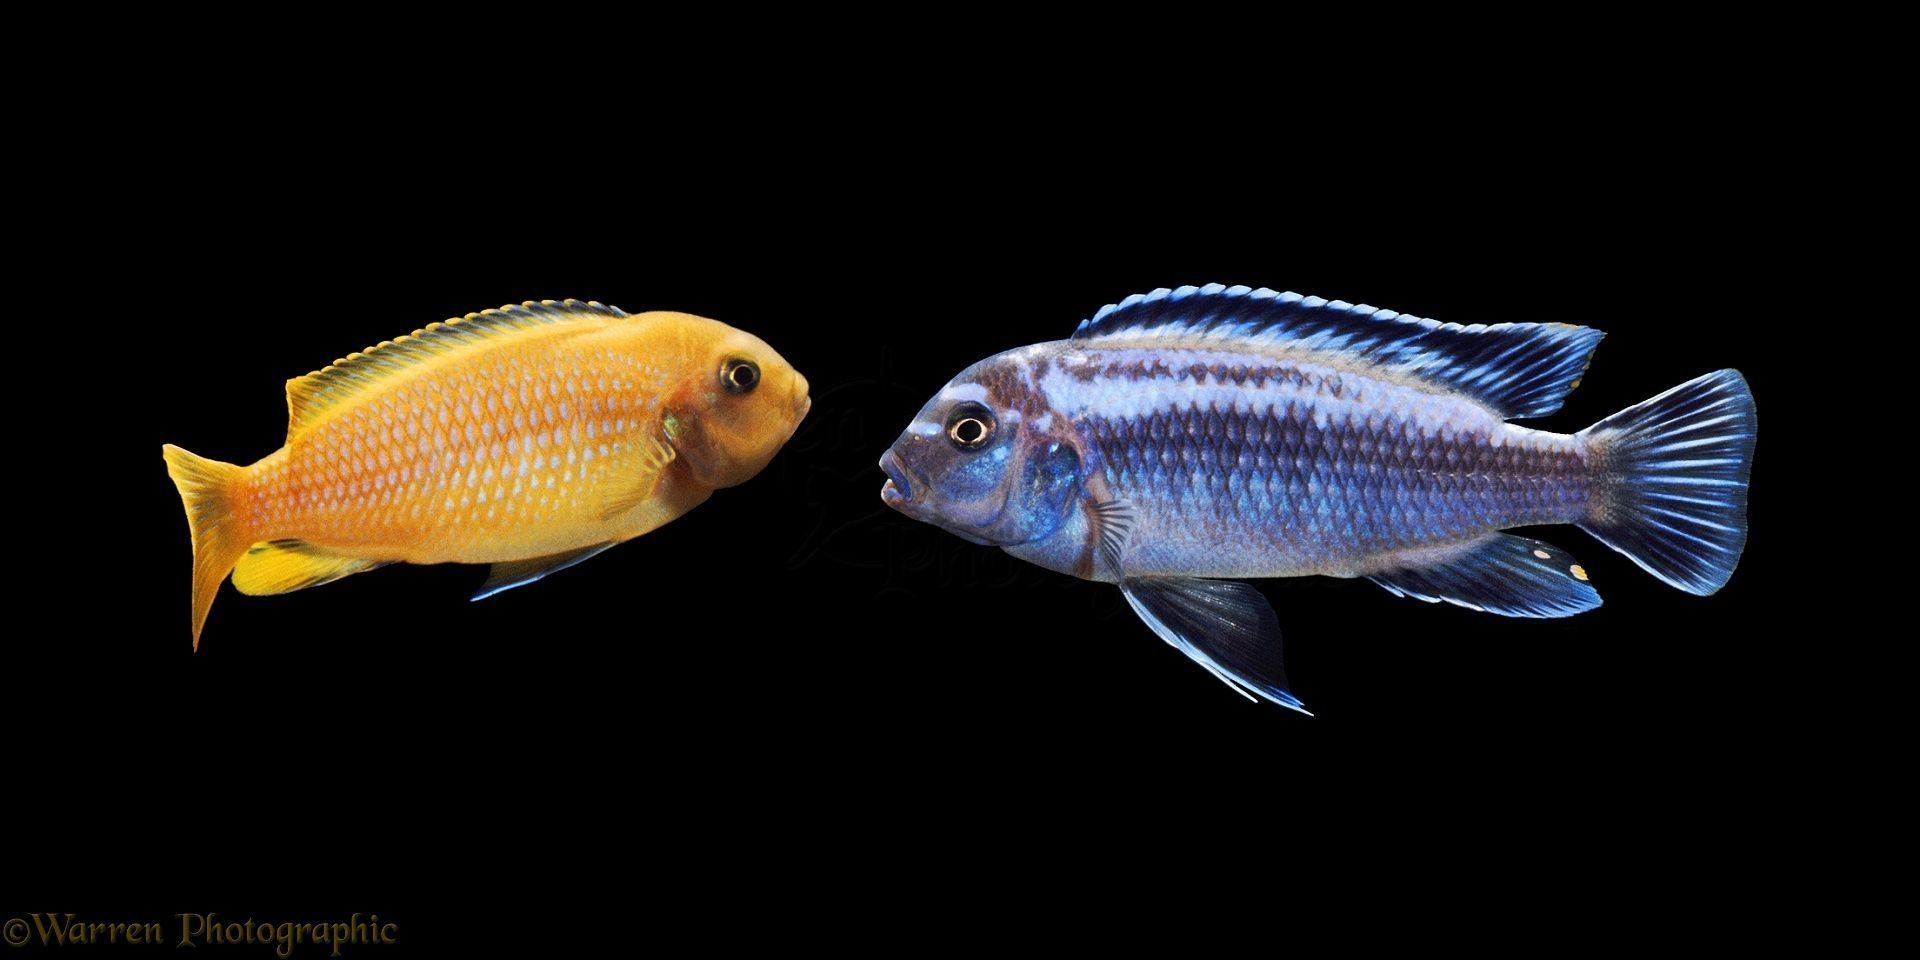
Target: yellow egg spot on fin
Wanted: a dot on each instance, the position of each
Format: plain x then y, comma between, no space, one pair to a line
1542,554
1579,572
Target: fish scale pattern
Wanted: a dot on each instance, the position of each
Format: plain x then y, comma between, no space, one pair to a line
444,461
1309,483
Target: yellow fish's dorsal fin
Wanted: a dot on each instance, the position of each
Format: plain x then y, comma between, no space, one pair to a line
313,395
283,566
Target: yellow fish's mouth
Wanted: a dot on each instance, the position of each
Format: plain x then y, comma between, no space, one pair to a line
803,398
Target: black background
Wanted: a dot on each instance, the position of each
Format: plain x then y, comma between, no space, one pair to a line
799,587
791,674
798,594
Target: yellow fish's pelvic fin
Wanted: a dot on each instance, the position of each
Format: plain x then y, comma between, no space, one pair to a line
283,566
519,573
638,475
206,489
311,396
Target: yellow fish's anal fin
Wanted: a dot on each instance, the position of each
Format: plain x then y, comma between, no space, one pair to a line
635,476
311,396
519,573
283,566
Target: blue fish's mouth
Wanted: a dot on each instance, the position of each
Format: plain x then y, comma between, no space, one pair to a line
898,494
899,489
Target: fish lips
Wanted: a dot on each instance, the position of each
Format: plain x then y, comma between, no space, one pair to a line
898,493
802,398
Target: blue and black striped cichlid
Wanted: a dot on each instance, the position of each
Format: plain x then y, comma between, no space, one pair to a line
1207,432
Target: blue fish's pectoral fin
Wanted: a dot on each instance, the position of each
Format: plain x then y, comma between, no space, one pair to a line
1498,573
1113,520
283,566
636,474
519,573
1225,626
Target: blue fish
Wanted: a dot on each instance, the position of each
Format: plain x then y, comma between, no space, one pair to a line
1188,435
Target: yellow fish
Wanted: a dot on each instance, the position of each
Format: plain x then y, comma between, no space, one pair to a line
529,437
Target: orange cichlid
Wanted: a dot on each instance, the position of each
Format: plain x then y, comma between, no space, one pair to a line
529,437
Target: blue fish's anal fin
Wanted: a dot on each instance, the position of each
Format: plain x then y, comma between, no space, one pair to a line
1517,369
1498,573
519,573
1223,625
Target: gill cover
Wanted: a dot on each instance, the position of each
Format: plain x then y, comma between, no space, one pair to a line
1041,490
1015,484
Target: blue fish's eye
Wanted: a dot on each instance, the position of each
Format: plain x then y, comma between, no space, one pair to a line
739,376
970,426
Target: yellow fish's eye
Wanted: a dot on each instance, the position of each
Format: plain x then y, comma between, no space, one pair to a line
970,426
739,376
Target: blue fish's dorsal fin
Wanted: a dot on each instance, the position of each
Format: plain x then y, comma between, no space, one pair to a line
1519,369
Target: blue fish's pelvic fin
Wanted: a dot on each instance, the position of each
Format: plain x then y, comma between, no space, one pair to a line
519,573
1518,369
1225,626
1673,493
1499,573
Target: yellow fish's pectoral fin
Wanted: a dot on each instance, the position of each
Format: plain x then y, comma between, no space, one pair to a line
206,488
283,566
519,573
636,476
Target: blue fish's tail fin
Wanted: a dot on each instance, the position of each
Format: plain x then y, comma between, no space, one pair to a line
1672,490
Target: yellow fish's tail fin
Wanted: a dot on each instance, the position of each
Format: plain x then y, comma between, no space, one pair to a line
206,487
